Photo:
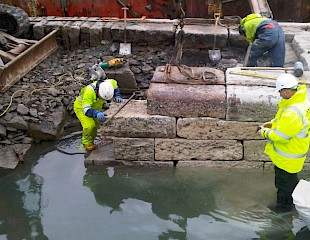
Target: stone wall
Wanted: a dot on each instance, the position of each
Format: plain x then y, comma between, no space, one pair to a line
223,137
202,141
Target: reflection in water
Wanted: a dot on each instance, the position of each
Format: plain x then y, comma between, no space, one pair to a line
53,196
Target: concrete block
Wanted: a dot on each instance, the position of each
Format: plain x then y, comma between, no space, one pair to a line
197,150
133,121
216,129
134,149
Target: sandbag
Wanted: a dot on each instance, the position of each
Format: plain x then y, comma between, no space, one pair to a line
301,198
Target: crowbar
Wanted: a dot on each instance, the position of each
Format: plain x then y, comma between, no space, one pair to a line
110,118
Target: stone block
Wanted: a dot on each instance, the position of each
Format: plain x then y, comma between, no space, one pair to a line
65,35
150,33
236,76
183,100
133,121
125,78
95,34
202,36
301,46
254,150
197,150
9,158
74,31
38,29
216,129
85,35
106,31
134,149
251,103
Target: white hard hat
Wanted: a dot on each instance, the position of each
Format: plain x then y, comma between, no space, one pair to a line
286,81
106,90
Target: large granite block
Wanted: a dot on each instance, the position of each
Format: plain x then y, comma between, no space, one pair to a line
197,150
134,149
251,103
133,121
215,129
180,100
254,150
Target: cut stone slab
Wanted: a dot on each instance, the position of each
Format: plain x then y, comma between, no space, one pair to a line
251,103
234,76
125,78
216,129
180,100
103,154
133,121
254,150
150,33
202,36
134,149
197,150
186,100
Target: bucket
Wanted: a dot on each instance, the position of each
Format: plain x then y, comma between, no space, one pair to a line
215,55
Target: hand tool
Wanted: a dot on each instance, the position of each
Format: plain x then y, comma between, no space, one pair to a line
298,69
263,76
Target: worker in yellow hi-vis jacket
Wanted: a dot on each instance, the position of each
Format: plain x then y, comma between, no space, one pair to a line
288,137
88,107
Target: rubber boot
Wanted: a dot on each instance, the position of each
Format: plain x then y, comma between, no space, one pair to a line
90,147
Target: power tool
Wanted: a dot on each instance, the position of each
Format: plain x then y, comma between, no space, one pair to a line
115,62
97,72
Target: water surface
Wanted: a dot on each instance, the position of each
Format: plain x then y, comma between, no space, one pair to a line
53,196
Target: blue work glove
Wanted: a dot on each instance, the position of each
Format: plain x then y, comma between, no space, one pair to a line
118,99
100,116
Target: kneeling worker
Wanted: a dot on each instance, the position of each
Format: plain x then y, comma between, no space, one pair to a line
88,107
288,138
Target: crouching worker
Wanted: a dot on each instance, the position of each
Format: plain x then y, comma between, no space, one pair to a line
88,107
288,138
266,35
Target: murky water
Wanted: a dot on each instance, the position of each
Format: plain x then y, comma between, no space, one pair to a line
53,196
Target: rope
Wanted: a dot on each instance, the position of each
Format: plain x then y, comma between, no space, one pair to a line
58,83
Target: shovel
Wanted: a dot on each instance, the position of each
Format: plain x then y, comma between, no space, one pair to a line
125,48
215,54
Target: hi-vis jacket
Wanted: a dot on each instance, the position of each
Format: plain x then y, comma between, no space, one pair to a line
88,99
288,139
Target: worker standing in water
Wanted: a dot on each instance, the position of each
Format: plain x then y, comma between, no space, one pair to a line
265,35
288,138
88,107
